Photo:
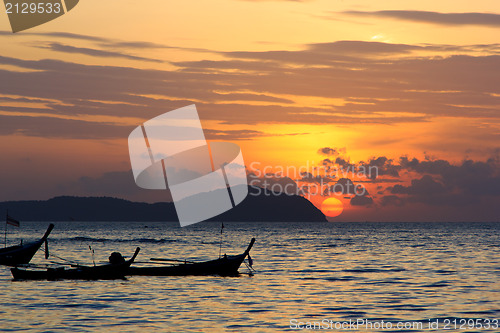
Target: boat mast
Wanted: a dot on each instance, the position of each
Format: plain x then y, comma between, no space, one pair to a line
5,235
220,243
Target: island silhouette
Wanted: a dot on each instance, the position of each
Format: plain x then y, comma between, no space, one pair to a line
261,205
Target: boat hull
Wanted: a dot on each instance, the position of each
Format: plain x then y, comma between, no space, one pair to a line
225,266
104,272
22,254
80,273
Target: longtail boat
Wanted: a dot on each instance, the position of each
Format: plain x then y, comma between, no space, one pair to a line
22,254
224,266
116,269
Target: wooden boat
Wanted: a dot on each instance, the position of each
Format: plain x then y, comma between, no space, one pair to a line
111,271
22,254
224,266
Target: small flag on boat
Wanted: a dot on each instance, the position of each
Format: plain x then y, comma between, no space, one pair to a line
13,222
221,228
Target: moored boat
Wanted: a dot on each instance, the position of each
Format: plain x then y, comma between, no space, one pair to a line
113,270
22,254
224,266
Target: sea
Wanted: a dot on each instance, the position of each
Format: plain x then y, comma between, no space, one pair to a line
325,277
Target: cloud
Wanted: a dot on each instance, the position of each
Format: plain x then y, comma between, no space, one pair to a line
392,200
475,178
235,135
212,134
433,182
58,47
453,19
66,35
331,151
343,162
357,48
105,43
380,166
343,186
361,200
425,186
308,177
338,53
50,127
256,87
444,184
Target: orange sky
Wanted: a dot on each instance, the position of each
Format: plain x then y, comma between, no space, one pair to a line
281,78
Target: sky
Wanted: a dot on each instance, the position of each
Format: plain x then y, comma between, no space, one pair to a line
412,88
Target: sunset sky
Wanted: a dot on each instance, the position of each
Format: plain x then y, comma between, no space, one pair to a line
412,87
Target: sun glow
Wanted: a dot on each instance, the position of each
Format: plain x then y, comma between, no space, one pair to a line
332,207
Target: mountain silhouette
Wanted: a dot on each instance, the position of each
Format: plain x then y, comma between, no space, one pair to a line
260,205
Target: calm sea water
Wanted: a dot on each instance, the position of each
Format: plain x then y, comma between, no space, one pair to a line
307,273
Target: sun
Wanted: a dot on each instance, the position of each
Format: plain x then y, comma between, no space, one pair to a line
332,207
